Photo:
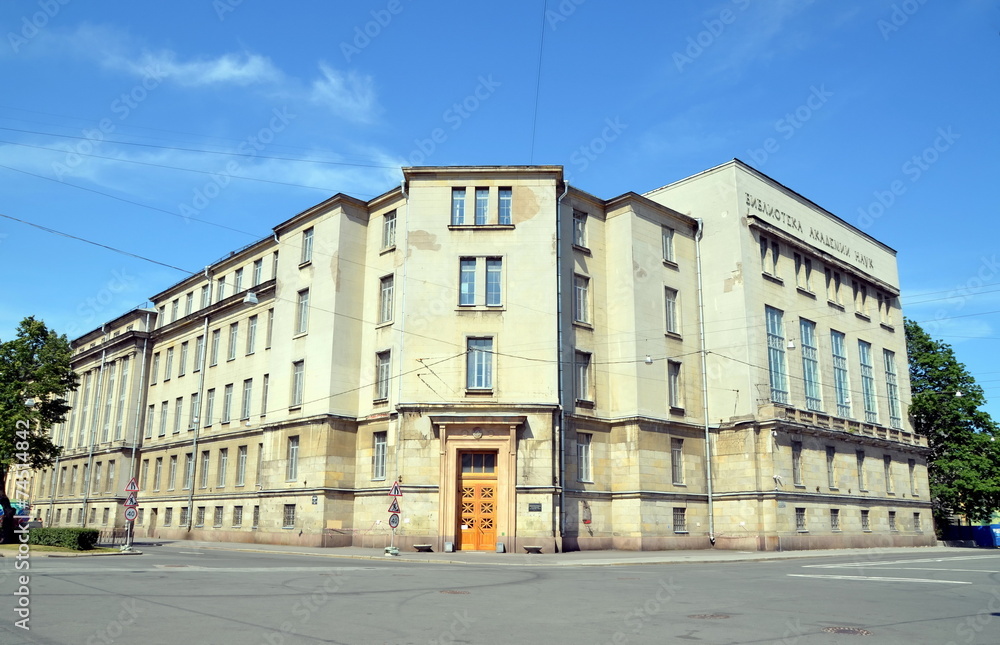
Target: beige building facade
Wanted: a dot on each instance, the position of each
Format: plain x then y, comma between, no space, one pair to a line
533,365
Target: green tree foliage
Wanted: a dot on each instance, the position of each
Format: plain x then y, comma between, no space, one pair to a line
964,464
34,365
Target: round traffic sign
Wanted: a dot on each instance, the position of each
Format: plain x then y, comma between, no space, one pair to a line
393,520
131,514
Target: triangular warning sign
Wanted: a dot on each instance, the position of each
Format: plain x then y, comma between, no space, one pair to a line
132,487
394,491
394,507
131,500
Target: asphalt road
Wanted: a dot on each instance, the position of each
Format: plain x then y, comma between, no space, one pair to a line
200,597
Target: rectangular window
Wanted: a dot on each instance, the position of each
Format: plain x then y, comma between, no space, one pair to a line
184,516
680,520
292,467
241,465
860,455
797,463
887,467
270,329
298,382
479,364
467,281
841,383
255,520
583,456
667,239
178,414
143,475
382,375
581,299
892,521
152,381
389,230
916,522
199,353
157,473
677,460
247,397
216,341
109,485
220,289
175,308
168,516
258,272
582,382
865,521
227,403
307,246
776,355
674,392
274,265
868,381
458,206
223,464
860,297
833,286
482,205
800,519
209,407
206,296
803,273
494,272
189,303
770,251
810,365
506,196
885,308
237,516
579,228
912,469
217,517
172,472
892,388
163,419
97,477
302,312
670,305
193,413
182,366
199,516
288,517
834,519
238,280
234,332
188,471
205,461
831,474
168,367
251,334
265,386
379,448
385,299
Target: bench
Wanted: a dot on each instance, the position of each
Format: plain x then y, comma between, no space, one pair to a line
423,548
533,549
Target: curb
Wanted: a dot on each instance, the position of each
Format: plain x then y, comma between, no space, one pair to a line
91,555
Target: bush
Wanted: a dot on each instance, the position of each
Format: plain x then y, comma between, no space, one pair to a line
76,539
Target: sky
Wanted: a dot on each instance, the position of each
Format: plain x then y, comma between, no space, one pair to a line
167,134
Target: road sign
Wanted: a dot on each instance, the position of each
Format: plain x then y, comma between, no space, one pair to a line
393,521
394,507
131,500
131,514
394,491
132,487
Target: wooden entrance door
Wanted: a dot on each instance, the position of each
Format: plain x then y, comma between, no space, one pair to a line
477,504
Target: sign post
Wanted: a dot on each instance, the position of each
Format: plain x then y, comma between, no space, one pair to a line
395,493
131,512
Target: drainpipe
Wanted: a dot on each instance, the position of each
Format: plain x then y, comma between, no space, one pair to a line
198,421
704,381
402,322
559,356
132,468
94,422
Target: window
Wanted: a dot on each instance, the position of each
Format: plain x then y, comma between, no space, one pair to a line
892,521
887,467
797,463
670,305
810,365
97,477
105,516
247,396
238,280
833,286
841,383
458,206
227,403
288,517
834,519
892,388
912,468
263,395
109,485
217,517
274,265
800,519
168,516
206,296
581,299
916,522
865,521
479,364
188,471
184,516
157,473
302,312
379,448
182,367
234,332
270,328
258,272
677,460
169,364
482,205
241,465
385,299
579,228
175,309
216,341
860,454
292,466
223,464
163,419
298,381
471,281
200,516
389,230
251,334
220,289
770,251
583,456
803,273
868,381
583,389
152,381
506,206
255,520
860,297
205,457
307,246
467,280
494,270
178,414
172,472
680,520
199,353
209,407
667,238
831,475
260,463
142,476
237,516
382,375
776,355
674,392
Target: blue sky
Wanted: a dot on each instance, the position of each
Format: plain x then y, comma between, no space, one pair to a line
178,132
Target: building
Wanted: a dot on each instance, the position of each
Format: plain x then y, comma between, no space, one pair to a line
714,362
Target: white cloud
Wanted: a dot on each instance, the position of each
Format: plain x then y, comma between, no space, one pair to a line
350,95
229,69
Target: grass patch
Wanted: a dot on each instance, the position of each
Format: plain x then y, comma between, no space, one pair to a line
38,548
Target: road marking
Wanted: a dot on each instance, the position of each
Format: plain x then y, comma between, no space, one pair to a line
185,568
933,569
915,561
192,552
879,579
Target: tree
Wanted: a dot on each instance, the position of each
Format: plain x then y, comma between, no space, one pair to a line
34,366
964,464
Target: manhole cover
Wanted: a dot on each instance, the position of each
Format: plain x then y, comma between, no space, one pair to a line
853,631
453,591
708,616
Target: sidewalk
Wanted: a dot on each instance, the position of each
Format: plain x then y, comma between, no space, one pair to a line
575,558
